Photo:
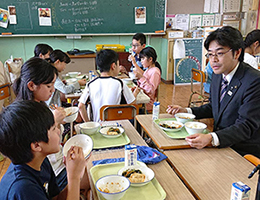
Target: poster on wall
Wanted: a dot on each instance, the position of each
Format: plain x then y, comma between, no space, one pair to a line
140,15
192,59
3,18
12,15
44,16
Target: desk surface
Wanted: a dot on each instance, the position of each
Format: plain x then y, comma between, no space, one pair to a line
159,138
210,172
170,182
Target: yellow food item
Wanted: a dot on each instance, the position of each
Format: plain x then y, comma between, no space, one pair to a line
137,178
113,131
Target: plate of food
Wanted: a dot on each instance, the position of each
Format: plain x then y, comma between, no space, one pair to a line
138,175
81,140
170,126
112,131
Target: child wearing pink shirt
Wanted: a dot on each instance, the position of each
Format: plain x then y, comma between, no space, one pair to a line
151,78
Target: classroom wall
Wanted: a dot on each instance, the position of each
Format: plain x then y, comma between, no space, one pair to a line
185,7
23,46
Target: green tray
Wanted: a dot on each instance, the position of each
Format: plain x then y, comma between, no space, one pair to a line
101,142
151,191
181,134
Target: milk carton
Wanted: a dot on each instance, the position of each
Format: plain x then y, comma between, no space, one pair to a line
240,191
130,155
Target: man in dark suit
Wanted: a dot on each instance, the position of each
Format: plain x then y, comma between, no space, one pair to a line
234,99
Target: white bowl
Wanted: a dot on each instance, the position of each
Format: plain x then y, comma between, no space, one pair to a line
176,126
149,174
89,128
71,81
127,80
81,140
132,75
103,131
184,117
117,186
73,74
195,127
71,114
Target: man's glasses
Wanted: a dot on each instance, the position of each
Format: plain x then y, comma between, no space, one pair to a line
135,45
218,54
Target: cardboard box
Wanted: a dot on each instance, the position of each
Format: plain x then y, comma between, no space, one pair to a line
172,34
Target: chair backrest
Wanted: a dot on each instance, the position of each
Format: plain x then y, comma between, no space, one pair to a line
118,112
198,75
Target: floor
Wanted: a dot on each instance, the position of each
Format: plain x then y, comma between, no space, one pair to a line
168,94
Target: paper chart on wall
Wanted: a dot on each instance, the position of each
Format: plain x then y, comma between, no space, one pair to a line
3,18
140,15
12,15
44,16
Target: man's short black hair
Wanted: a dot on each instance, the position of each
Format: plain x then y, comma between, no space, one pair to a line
22,123
227,36
105,58
42,49
140,37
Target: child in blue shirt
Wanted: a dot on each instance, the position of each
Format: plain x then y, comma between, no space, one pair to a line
27,135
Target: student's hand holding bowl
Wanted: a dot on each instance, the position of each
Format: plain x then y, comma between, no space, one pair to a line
75,162
59,115
82,82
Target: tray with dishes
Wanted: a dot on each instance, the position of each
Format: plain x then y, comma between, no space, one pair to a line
109,140
172,129
151,190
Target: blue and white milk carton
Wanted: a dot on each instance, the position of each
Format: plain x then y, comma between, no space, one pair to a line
240,191
130,155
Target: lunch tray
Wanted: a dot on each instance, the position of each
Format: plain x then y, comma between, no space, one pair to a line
181,134
151,191
101,142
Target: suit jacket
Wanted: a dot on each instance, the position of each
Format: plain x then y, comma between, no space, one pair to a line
237,118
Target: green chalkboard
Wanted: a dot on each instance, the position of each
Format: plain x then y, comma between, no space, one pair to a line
85,16
193,59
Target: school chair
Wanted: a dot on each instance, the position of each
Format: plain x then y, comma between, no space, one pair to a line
255,161
198,76
5,92
119,112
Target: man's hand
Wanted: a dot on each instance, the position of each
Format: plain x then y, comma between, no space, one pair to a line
173,109
199,140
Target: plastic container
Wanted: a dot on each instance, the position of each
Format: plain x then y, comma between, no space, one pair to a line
90,74
156,110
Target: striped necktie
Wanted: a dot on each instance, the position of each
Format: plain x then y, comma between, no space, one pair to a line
223,90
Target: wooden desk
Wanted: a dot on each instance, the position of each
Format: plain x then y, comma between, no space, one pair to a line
159,138
157,135
210,172
170,182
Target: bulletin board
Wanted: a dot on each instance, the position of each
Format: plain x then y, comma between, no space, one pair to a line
86,16
193,59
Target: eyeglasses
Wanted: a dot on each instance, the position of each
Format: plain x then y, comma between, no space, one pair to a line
135,45
218,54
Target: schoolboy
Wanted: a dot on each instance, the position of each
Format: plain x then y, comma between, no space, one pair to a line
106,89
27,135
42,51
138,44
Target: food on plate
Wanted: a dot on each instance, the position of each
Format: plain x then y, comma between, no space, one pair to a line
113,131
182,117
111,187
134,175
171,125
195,126
69,114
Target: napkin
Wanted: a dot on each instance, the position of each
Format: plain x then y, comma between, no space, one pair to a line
145,154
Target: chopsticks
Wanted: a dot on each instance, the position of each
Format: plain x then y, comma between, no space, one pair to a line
52,106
